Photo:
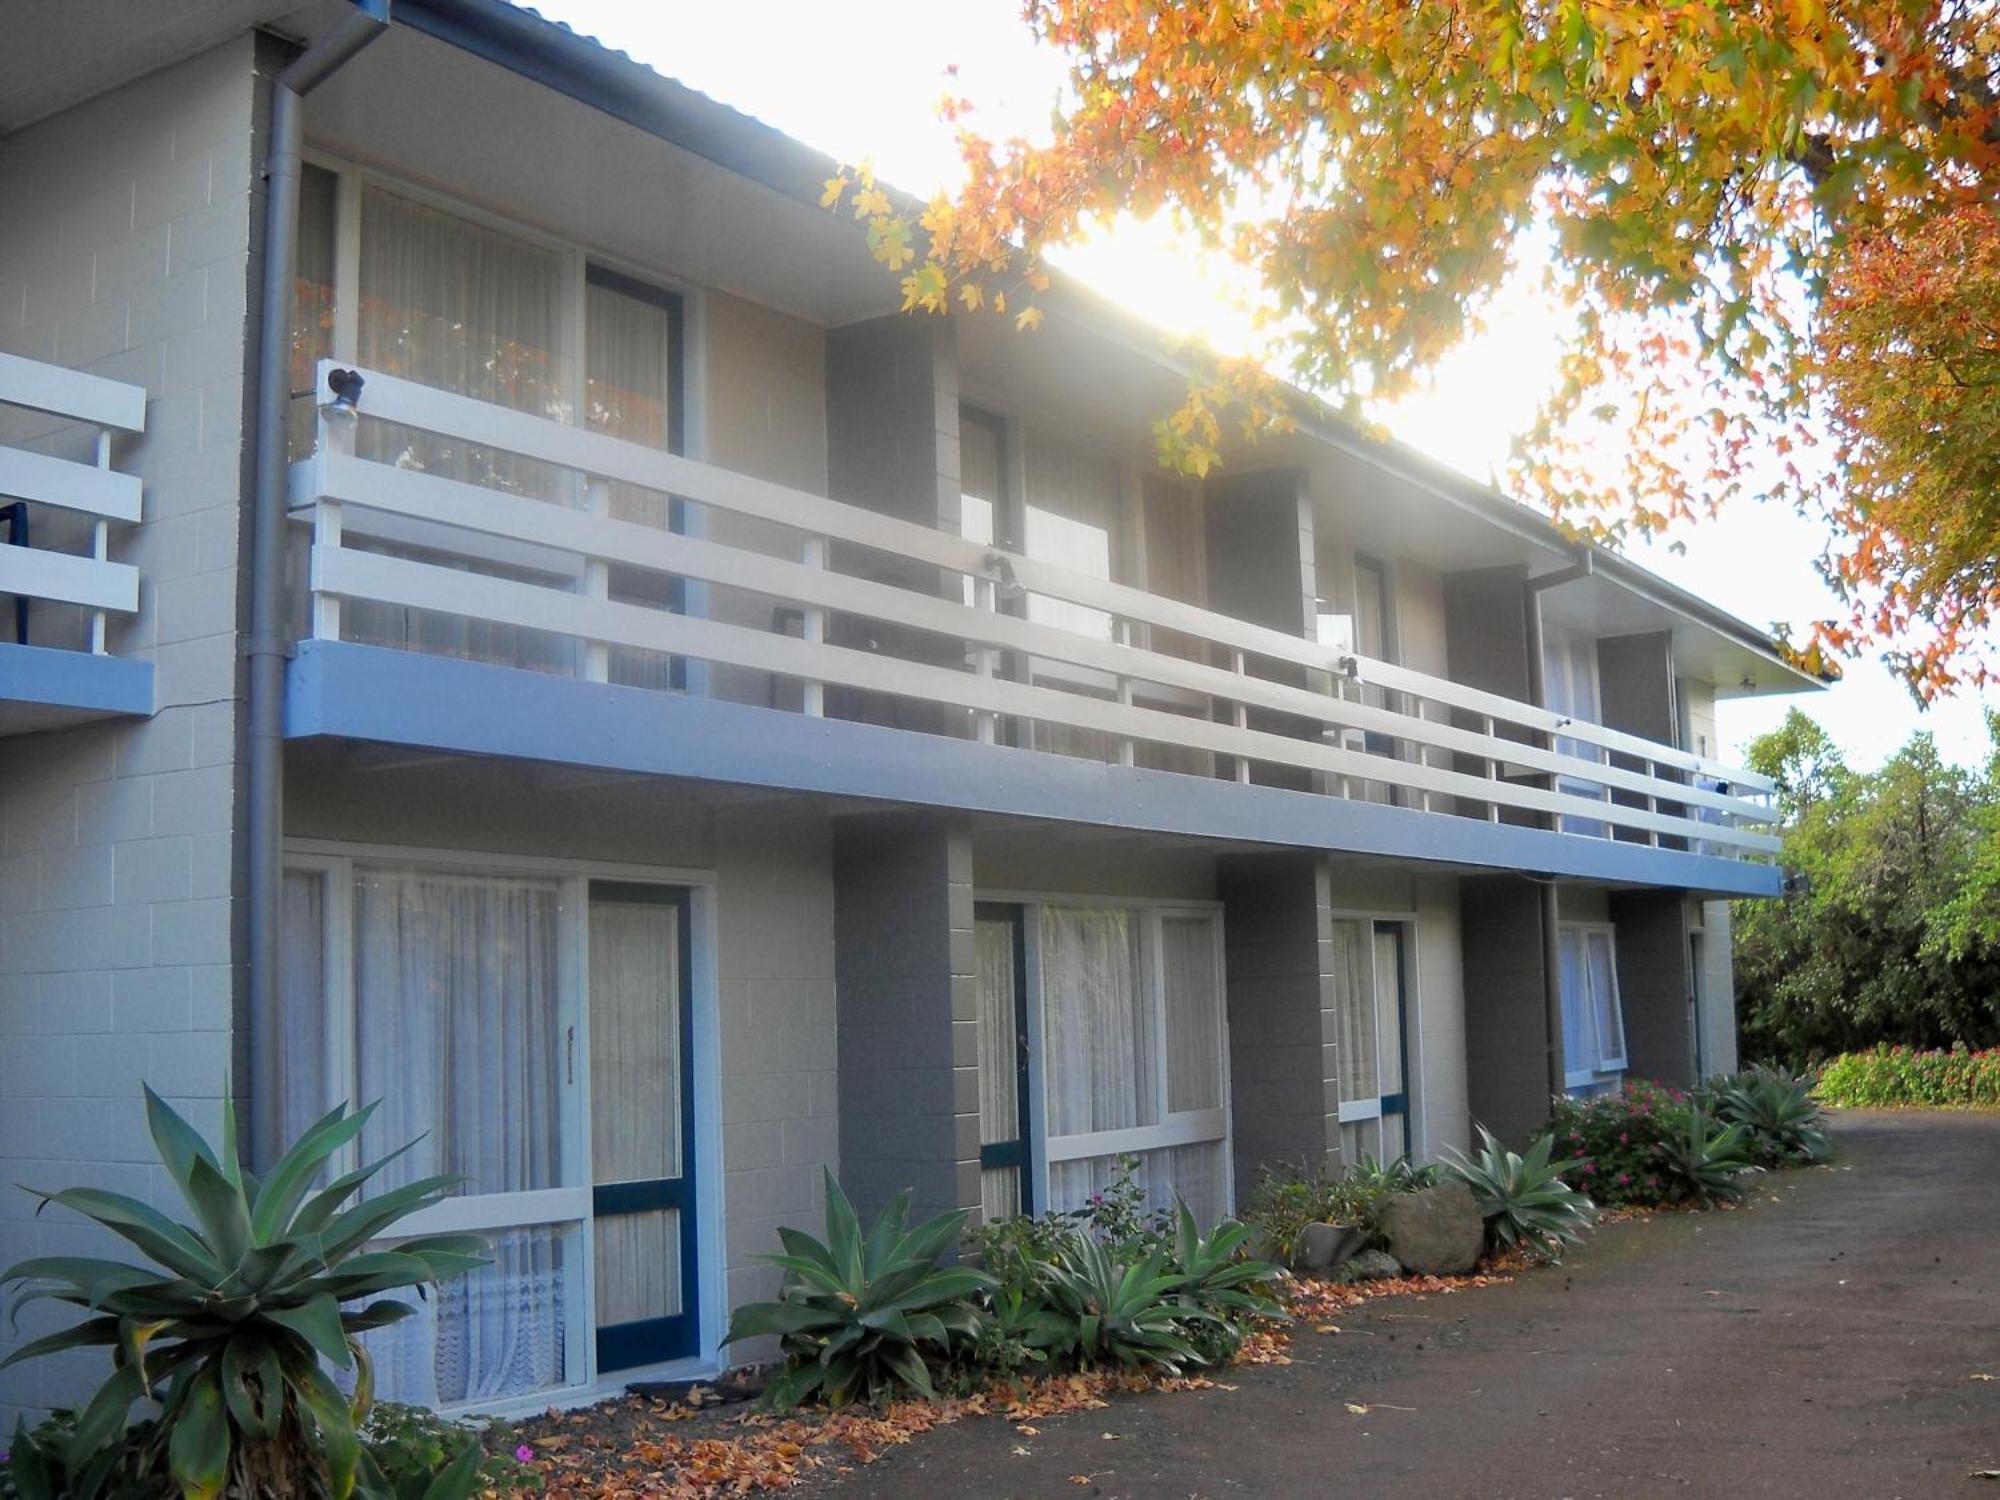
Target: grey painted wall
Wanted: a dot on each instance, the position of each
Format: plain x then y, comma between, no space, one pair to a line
908,1035
1635,675
1655,984
1277,940
1508,1068
1486,647
125,251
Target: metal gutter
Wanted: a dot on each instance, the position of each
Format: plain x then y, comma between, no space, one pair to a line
266,646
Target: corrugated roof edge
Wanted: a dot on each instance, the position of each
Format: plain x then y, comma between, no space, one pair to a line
524,41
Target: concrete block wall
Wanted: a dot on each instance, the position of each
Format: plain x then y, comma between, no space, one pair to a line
1277,957
1438,1047
1716,989
125,250
907,1006
1507,1052
1655,984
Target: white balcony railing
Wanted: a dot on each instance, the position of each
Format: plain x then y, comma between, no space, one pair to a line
56,512
1244,697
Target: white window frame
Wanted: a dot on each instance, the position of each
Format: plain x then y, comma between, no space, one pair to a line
568,1205
1182,1128
1602,1064
1359,1111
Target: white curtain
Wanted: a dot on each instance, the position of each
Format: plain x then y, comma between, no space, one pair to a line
1354,1012
628,393
1194,1013
635,1119
451,304
1104,1025
1099,1029
457,1033
302,1062
1605,1009
1389,1037
1579,1025
999,1061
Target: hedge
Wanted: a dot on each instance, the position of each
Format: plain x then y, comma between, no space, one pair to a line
1889,1077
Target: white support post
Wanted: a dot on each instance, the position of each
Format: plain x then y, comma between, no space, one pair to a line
1493,767
986,660
336,435
596,581
812,625
1122,628
1240,715
100,542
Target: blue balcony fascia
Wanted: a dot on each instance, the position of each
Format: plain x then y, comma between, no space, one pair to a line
42,687
337,689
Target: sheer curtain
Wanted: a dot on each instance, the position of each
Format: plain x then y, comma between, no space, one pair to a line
456,1031
999,1057
635,1119
1604,1007
452,304
628,393
1099,1037
302,1061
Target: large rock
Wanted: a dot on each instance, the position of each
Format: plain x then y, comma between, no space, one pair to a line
1435,1232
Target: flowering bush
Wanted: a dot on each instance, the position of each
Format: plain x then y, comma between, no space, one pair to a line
1615,1139
1895,1077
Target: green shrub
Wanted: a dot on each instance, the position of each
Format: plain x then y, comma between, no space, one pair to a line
860,1316
1781,1123
1706,1160
1219,1279
1903,1077
409,1448
229,1329
1524,1199
1286,1199
1115,1310
1613,1141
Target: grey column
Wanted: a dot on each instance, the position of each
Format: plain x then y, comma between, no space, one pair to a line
906,1007
1656,984
1508,1058
1277,949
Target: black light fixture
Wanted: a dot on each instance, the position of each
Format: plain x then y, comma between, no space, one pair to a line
346,387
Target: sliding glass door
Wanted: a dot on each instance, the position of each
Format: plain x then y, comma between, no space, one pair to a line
529,1032
1371,1018
641,1124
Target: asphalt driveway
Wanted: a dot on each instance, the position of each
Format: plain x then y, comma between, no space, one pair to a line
1823,1343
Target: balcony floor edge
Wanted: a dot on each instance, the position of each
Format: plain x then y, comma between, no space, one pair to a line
343,690
44,687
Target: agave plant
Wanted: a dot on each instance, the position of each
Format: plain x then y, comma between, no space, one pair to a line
864,1314
1398,1175
1707,1161
1219,1278
1121,1310
1777,1111
230,1329
1524,1199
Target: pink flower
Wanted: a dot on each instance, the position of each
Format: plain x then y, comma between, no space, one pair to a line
1624,1139
524,1454
1623,1178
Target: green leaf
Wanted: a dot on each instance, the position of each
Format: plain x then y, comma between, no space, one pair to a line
199,1442
91,1333
224,1216
459,1481
180,1145
145,1227
285,1186
317,1321
253,1387
104,1418
335,1420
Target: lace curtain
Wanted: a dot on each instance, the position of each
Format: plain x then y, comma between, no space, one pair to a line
456,1033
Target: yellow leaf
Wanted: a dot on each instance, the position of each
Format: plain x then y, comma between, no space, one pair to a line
835,186
1030,317
970,294
1357,1408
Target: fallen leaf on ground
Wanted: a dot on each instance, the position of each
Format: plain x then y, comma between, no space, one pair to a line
1357,1408
1982,1375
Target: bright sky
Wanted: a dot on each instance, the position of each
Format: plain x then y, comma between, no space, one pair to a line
861,79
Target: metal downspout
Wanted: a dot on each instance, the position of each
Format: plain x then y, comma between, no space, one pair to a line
266,646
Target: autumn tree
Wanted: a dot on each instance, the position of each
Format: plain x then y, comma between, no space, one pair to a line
1771,226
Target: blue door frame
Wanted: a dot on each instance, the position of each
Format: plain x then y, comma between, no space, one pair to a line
1398,1103
1015,1153
622,1346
